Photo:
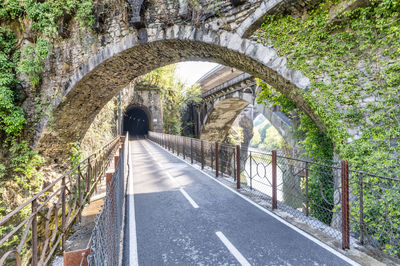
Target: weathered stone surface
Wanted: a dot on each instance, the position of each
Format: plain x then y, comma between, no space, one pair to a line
147,99
240,86
220,120
99,67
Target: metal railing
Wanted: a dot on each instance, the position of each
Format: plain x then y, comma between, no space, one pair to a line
32,232
226,84
348,205
105,241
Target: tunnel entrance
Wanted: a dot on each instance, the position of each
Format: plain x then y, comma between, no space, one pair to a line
136,121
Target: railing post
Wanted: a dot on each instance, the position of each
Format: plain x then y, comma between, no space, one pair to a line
34,234
274,185
177,145
361,210
202,154
79,193
251,172
63,207
307,196
191,151
345,206
238,166
183,147
216,159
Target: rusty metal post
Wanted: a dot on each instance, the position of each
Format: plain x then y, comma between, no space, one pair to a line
202,154
88,175
63,208
183,147
307,196
191,151
177,145
361,210
34,234
216,159
238,166
274,183
116,158
79,193
251,172
345,206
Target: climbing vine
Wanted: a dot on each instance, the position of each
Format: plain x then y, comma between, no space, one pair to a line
27,32
351,55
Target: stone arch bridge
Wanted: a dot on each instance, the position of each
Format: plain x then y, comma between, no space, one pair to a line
158,34
223,103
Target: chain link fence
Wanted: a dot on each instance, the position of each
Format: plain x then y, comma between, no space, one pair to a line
105,242
349,206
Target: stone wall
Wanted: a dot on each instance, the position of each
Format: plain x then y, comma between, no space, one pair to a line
148,100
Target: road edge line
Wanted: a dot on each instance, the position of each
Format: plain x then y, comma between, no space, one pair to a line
303,233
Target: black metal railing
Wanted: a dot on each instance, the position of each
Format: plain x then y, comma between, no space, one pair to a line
32,232
350,206
105,242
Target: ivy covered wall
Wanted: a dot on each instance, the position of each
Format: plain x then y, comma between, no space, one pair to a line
351,52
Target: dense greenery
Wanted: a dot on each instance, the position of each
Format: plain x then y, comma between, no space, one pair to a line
40,20
266,137
174,94
27,31
352,59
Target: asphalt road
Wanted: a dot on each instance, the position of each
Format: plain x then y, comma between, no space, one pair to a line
183,217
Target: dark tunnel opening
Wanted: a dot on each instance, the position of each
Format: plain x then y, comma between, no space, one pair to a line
136,121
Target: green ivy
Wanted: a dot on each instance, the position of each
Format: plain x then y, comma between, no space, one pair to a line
44,18
352,60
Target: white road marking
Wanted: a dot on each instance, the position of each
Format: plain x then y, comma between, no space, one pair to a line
131,223
242,260
194,204
310,237
191,201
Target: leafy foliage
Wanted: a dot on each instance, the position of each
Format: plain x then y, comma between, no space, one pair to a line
174,96
352,59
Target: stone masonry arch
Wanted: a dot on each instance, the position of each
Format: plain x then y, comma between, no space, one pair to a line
220,119
126,119
276,7
242,87
111,69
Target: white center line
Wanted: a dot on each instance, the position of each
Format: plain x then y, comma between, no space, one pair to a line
194,204
232,249
191,201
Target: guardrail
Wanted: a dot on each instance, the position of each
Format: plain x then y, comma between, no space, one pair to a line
226,84
32,232
105,241
348,205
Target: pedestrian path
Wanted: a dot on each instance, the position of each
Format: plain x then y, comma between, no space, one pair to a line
183,217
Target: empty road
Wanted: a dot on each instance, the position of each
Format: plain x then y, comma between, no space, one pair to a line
180,216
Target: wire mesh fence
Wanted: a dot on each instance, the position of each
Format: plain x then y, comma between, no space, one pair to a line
31,233
105,242
347,205
375,211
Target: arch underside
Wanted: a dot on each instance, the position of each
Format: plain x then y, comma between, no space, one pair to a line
221,118
109,72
